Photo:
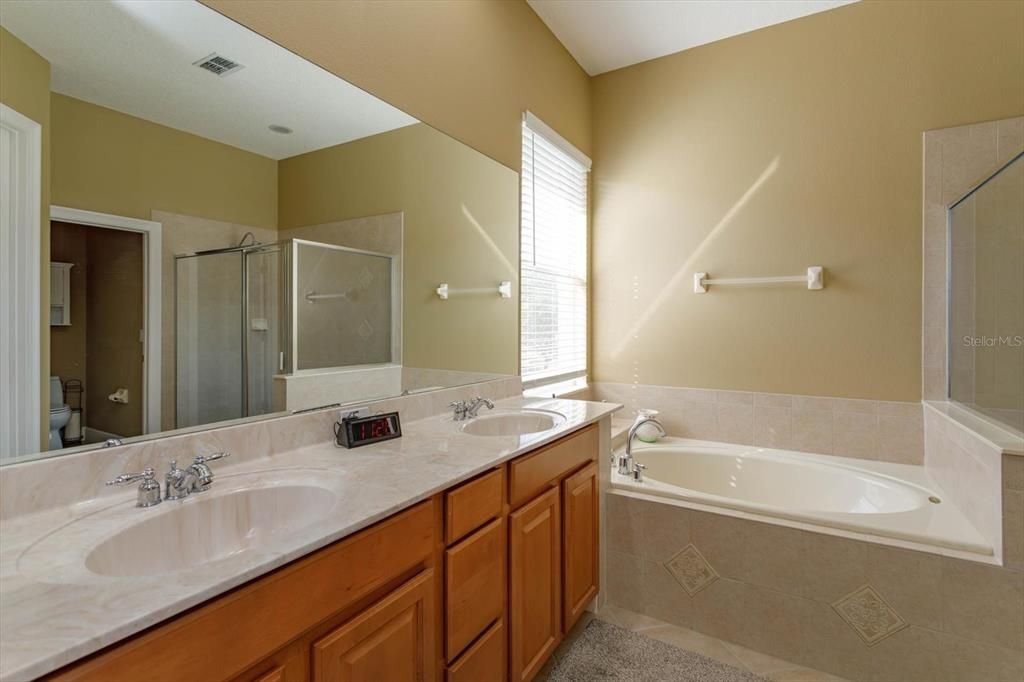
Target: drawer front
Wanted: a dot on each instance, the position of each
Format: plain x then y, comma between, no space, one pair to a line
485,661
471,505
475,586
530,475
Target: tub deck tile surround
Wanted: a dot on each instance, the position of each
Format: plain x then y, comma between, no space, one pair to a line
95,611
869,615
691,570
982,471
957,620
866,429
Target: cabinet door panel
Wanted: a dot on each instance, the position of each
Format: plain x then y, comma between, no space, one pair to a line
580,543
392,640
535,585
475,586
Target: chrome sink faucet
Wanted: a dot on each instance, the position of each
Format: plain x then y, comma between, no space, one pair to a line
178,482
467,409
203,475
149,489
628,467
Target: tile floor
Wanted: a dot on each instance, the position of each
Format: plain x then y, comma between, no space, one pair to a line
735,655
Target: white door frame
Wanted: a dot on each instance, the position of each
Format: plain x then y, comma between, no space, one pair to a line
152,244
21,420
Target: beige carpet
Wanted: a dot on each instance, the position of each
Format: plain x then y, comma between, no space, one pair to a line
606,652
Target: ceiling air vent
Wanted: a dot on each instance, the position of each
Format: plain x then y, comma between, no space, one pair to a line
215,63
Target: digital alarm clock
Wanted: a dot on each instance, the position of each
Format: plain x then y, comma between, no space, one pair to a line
352,431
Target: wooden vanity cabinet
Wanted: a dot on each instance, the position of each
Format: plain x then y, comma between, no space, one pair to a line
553,547
478,584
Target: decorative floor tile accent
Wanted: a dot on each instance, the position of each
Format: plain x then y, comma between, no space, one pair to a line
691,570
869,615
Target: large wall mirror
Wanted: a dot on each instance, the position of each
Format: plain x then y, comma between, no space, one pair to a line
235,232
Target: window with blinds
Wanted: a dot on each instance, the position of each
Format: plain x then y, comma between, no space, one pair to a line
553,344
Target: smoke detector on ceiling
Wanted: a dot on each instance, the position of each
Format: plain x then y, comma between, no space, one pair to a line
217,64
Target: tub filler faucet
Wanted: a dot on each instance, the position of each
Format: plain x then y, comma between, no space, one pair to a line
627,465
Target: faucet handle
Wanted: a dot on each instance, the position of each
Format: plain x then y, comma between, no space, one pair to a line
149,489
460,408
638,471
201,459
145,474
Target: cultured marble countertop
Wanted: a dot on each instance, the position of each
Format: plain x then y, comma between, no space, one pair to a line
53,610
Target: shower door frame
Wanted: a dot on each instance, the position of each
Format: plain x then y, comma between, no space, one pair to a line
1019,156
242,252
152,299
290,295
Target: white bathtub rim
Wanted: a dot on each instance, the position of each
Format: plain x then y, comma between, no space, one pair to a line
928,488
967,542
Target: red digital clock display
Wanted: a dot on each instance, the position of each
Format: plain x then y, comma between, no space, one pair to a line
352,432
377,428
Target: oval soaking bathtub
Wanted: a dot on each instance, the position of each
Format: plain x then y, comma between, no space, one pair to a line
877,498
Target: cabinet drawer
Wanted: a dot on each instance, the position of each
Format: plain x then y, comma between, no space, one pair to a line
530,475
475,586
484,661
471,505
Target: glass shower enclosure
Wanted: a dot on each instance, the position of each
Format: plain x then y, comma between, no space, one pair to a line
986,297
246,314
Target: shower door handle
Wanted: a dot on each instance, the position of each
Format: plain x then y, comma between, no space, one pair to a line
280,361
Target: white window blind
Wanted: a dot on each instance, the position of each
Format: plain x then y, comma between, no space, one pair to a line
553,332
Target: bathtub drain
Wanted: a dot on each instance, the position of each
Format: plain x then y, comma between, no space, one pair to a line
933,499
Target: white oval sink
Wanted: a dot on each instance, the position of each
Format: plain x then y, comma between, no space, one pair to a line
517,423
204,529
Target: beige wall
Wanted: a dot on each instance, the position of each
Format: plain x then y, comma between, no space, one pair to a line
25,87
461,226
795,145
467,68
111,162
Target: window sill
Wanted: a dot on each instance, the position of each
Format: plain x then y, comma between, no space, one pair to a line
577,389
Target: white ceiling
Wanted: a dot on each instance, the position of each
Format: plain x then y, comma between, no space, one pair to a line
136,56
604,35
